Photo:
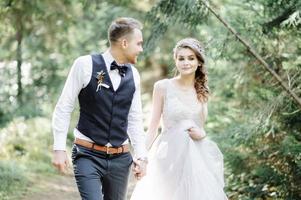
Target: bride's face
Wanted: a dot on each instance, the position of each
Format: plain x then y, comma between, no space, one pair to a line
186,61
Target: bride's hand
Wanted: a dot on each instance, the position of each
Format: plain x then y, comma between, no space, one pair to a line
196,133
139,168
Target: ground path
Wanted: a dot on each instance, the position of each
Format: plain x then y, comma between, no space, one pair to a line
57,187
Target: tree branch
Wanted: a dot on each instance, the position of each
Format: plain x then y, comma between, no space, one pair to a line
278,20
254,53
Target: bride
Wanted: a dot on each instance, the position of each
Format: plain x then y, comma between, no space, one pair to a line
183,163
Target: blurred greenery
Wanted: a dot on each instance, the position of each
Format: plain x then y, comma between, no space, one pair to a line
12,178
256,124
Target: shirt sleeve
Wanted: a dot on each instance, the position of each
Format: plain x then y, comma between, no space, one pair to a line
135,121
65,105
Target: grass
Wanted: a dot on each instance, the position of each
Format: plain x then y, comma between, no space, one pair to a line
13,180
25,151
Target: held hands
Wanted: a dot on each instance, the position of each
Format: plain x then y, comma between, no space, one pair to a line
196,133
139,168
60,161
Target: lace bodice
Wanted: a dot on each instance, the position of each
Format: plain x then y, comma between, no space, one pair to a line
180,105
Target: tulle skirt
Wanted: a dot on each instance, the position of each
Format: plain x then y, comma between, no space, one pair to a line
182,169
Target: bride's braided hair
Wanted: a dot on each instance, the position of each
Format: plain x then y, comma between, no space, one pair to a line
201,77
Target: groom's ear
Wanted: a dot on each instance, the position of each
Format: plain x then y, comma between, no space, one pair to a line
124,43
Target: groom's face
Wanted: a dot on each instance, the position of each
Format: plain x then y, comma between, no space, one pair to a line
133,46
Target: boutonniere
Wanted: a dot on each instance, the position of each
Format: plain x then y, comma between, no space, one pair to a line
100,78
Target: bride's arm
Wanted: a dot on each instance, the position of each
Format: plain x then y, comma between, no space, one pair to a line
157,107
204,113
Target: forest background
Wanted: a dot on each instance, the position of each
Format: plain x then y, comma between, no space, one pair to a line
255,122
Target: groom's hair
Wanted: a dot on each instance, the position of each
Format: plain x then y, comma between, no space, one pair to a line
121,27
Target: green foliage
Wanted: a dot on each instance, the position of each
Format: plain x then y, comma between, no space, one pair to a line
27,139
187,13
26,147
12,178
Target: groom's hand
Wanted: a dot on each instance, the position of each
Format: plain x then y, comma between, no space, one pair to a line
60,160
139,168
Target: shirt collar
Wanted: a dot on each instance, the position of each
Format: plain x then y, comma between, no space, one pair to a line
108,58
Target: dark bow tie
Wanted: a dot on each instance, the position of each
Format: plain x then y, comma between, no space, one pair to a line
121,68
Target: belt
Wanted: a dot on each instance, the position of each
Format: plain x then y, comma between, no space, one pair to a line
107,150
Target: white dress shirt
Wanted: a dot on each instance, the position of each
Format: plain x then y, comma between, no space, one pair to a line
78,78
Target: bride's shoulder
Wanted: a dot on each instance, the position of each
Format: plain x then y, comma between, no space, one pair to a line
161,84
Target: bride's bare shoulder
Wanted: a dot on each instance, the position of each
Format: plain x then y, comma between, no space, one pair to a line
161,85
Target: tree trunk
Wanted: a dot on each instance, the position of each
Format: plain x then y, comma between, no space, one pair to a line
19,37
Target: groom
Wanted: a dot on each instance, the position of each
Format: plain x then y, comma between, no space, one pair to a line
108,89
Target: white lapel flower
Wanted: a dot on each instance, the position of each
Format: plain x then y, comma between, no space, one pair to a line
100,78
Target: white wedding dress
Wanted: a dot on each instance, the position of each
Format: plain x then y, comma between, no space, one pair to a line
181,168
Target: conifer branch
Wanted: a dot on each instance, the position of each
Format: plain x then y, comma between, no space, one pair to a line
253,52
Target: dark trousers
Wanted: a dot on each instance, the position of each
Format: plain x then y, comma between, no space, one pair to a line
100,176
